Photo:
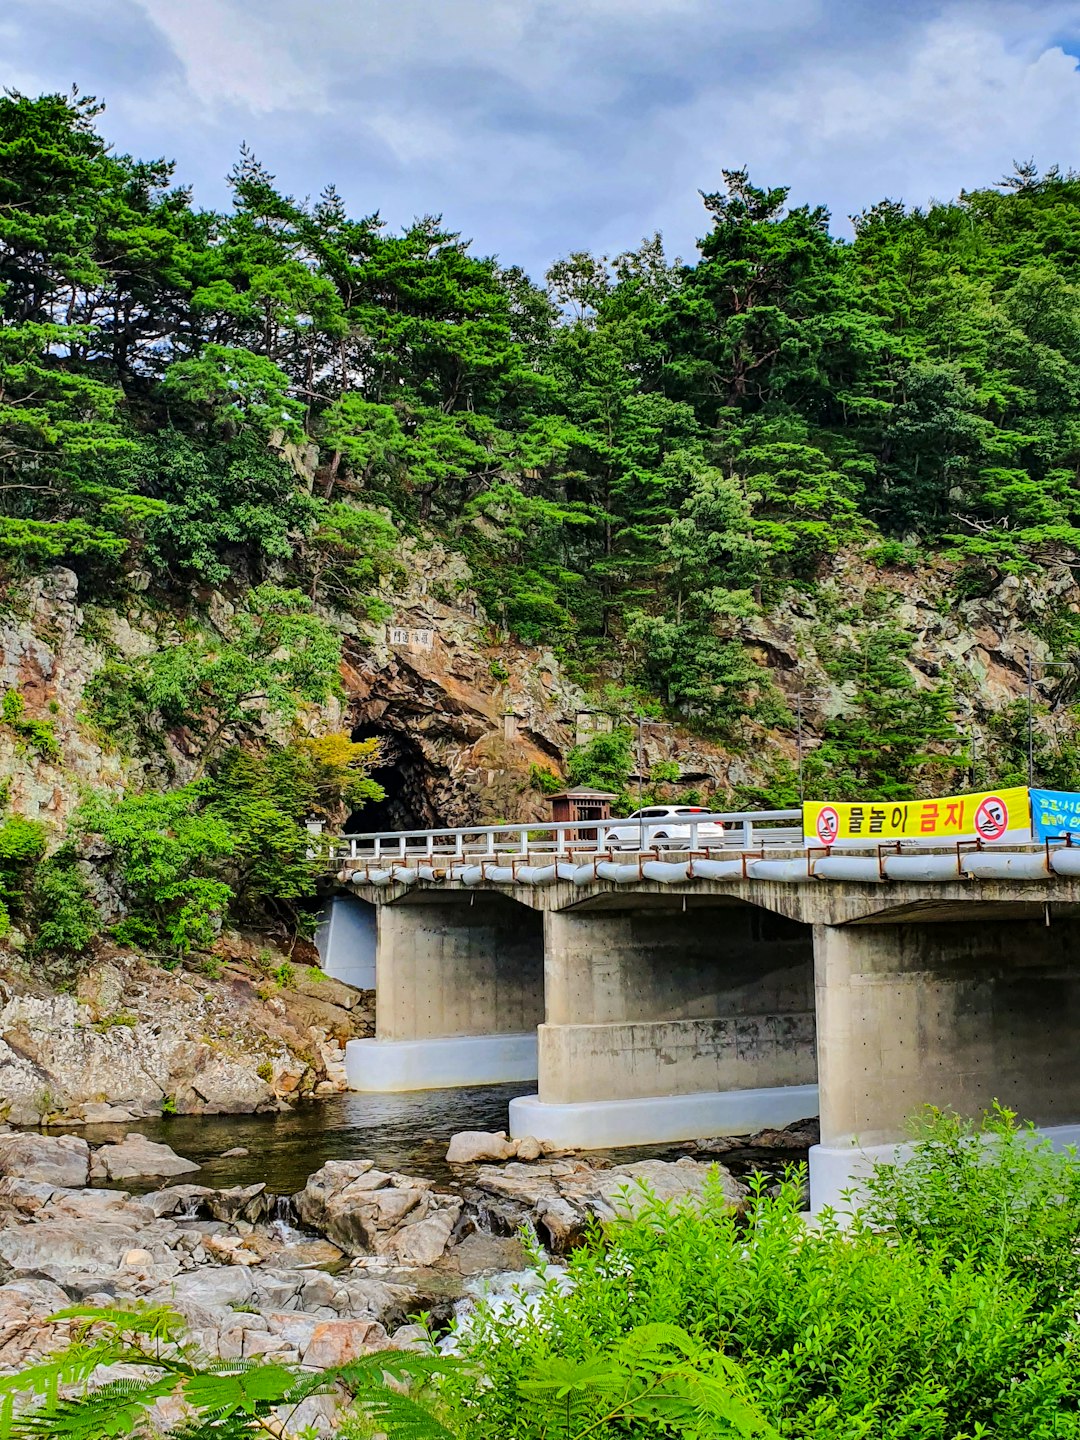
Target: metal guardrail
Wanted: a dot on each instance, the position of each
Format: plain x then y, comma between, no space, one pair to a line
751,845
743,830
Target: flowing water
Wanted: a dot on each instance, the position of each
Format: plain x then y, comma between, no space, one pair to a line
407,1132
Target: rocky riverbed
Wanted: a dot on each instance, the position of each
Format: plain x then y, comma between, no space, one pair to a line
341,1268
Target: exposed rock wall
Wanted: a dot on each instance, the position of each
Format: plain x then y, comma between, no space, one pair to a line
140,1039
464,713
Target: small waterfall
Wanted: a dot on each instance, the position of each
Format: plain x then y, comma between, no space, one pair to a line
283,1209
283,1221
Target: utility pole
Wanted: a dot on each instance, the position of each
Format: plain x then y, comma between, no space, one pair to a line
1045,665
1030,724
799,744
640,756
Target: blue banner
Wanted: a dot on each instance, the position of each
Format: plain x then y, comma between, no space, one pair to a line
1054,813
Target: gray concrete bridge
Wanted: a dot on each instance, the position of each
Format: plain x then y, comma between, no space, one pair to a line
662,994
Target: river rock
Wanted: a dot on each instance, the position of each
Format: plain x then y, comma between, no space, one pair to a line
52,1159
422,1240
361,1209
136,1156
184,1200
336,1342
241,1202
57,1247
473,1147
561,1224
561,1197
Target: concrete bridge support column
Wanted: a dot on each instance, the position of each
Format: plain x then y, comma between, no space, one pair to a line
459,993
955,1014
664,1023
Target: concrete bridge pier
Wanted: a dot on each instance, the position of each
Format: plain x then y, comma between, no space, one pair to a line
460,991
981,1003
671,1018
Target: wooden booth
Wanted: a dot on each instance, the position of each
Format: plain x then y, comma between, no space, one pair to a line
573,806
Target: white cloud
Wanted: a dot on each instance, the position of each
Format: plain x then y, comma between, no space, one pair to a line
540,126
236,58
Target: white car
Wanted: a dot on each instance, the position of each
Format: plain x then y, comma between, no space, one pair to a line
641,830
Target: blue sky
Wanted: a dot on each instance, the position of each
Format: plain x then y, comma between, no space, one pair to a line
542,126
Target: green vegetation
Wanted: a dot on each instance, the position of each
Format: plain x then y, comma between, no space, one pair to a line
638,452
605,762
234,842
40,735
22,844
272,656
245,417
946,1308
65,919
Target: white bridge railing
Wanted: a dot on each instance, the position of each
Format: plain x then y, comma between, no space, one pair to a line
668,850
742,830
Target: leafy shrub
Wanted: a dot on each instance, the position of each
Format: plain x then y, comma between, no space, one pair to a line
40,735
64,918
544,780
22,844
185,857
165,851
933,1314
605,762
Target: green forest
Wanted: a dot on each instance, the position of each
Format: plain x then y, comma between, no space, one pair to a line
635,454
638,448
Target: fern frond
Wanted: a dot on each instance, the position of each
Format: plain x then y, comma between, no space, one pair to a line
400,1416
379,1384
251,1390
73,1366
112,1409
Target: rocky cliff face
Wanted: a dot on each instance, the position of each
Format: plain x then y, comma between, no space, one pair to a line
464,713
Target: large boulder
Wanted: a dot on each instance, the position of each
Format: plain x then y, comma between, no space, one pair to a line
135,1156
364,1211
57,1247
52,1159
474,1147
562,1197
336,1342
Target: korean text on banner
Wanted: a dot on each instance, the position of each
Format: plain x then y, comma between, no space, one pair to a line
988,816
1054,813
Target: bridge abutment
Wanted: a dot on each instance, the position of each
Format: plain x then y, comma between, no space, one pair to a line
953,1013
669,1019
459,993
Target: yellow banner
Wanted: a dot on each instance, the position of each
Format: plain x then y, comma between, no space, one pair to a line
988,816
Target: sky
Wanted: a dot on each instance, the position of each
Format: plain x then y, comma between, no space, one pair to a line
540,127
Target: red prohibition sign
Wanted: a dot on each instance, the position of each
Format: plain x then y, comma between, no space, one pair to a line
828,825
992,818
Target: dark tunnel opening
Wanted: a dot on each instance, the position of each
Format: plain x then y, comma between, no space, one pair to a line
407,805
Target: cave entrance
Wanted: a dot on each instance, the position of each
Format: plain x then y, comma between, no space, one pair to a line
403,775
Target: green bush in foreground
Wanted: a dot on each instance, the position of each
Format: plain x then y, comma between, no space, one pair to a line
945,1310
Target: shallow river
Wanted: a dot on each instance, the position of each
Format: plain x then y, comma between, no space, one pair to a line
406,1132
